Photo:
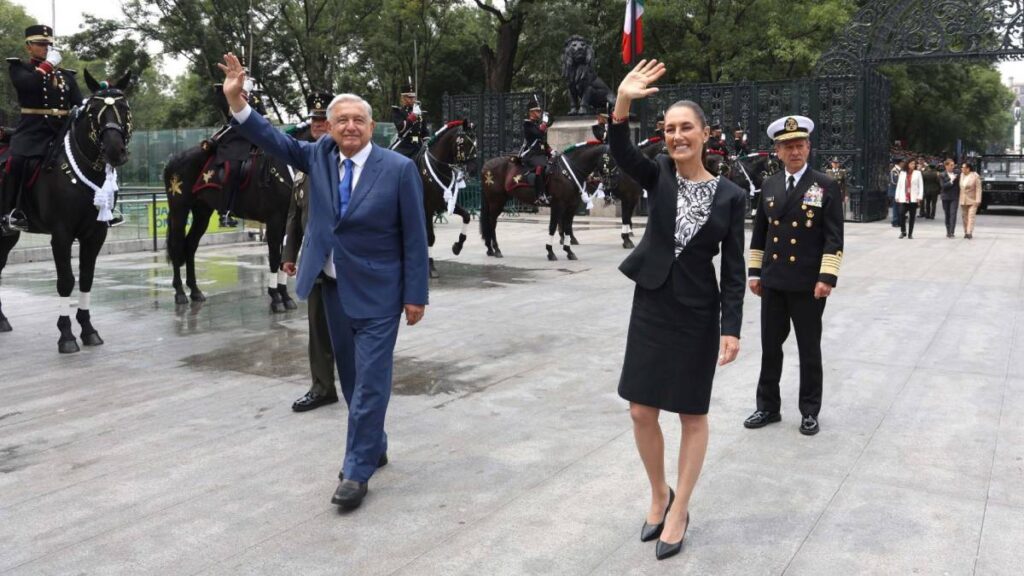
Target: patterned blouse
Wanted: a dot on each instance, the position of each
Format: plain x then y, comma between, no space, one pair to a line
693,206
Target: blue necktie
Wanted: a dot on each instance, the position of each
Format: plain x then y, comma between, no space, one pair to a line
345,187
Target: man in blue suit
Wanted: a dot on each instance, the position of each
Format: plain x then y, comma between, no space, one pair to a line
367,236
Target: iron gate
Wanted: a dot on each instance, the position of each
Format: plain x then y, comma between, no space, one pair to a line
851,115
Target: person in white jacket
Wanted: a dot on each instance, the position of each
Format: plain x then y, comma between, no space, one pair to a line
909,191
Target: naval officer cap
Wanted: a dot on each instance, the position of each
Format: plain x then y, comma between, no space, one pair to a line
790,128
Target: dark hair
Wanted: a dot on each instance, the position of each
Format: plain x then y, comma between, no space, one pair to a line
701,118
968,164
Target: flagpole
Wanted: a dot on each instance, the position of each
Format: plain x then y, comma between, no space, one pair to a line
632,33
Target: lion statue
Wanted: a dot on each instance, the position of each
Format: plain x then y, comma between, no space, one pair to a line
587,92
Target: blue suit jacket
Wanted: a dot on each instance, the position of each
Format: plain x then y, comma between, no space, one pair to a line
380,245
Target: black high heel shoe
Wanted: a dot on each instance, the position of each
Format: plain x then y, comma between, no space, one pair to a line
651,531
665,550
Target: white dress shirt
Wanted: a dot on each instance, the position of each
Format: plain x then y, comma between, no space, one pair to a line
358,162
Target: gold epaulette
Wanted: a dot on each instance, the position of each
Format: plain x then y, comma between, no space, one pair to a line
756,258
830,263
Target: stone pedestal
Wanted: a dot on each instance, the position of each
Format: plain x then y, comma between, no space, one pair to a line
566,130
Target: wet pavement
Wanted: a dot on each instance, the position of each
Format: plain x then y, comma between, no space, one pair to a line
172,449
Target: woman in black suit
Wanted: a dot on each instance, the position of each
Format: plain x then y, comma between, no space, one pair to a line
684,320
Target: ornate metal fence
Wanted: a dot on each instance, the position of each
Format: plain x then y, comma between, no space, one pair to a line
851,115
498,119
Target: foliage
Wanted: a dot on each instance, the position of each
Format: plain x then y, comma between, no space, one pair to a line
366,47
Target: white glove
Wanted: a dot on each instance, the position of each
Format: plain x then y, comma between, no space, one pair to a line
417,110
544,118
53,57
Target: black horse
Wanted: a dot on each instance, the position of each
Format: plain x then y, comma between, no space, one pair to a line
61,200
749,172
449,155
265,193
627,191
503,179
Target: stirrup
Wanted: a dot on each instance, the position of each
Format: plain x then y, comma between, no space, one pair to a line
117,219
14,221
227,220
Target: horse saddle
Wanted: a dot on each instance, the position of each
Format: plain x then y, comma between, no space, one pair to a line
219,175
522,176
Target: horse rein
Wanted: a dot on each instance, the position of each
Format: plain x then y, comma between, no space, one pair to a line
110,101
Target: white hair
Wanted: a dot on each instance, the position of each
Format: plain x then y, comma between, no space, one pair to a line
346,98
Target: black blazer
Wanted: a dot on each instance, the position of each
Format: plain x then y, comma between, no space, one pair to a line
950,187
651,262
798,238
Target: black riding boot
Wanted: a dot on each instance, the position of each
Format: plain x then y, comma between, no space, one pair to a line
538,185
13,219
234,181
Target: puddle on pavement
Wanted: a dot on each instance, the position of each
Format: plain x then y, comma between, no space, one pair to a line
415,377
460,275
281,353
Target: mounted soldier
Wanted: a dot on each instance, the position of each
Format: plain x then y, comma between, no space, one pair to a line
46,94
600,130
740,146
656,139
535,152
409,124
231,149
716,145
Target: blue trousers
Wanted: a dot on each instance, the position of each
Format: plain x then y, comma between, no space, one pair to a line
364,350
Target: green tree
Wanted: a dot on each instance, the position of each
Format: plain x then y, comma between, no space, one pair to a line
13,21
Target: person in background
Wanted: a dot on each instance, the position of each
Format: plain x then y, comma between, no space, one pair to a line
970,197
894,175
932,186
950,194
909,191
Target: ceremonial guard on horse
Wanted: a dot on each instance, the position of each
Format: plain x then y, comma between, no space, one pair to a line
231,149
535,152
409,124
740,146
716,145
46,95
600,130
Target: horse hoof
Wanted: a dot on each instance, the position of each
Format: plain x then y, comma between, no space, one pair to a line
92,339
552,257
277,307
434,274
574,242
180,298
198,296
5,326
67,346
631,233
490,252
498,254
457,248
571,256
290,304
627,244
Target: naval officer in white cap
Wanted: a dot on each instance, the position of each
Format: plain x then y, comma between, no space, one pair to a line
795,253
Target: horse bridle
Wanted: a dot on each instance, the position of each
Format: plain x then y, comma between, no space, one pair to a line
108,100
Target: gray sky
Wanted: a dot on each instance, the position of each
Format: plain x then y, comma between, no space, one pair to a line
69,21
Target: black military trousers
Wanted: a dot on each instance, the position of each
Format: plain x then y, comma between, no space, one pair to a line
321,354
779,308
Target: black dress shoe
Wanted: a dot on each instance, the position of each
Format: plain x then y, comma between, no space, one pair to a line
381,462
349,494
313,400
664,550
651,531
809,426
760,419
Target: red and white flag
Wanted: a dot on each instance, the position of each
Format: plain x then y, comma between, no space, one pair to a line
633,31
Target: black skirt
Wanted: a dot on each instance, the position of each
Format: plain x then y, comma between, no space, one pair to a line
671,351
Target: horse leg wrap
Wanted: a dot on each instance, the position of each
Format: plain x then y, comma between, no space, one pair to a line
626,229
282,277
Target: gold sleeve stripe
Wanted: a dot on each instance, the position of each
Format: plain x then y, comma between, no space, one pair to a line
756,258
830,263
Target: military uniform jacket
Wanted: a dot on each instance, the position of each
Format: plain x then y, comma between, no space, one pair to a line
535,139
798,239
298,215
408,132
57,90
600,131
741,147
